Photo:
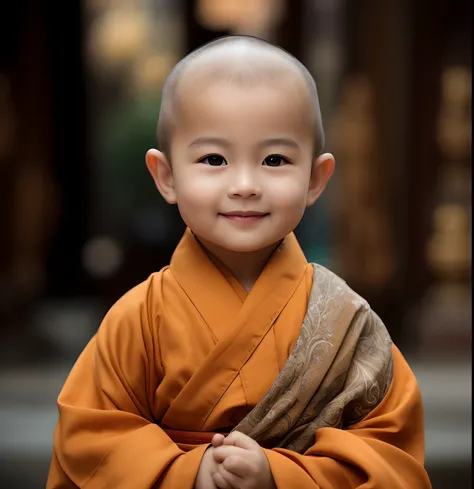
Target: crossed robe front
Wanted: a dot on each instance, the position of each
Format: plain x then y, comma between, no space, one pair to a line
189,349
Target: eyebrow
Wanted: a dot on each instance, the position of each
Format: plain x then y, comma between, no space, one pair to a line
210,140
291,143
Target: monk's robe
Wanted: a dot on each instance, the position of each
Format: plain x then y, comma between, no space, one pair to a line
190,351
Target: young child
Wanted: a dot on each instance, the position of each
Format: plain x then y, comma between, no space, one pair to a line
240,365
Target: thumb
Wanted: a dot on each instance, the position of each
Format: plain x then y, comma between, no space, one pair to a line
240,440
217,440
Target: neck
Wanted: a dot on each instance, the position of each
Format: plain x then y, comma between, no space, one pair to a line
244,266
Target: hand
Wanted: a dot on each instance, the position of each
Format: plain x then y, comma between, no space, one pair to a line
241,464
208,467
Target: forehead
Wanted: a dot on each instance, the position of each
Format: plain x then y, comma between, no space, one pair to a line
265,108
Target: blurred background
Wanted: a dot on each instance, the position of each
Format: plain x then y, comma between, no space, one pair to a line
82,223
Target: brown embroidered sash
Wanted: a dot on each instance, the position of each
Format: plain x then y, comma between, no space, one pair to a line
339,370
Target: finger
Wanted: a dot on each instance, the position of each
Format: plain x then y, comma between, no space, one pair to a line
220,482
238,466
232,479
225,451
240,440
217,440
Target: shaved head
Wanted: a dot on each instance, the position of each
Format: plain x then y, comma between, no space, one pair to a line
244,61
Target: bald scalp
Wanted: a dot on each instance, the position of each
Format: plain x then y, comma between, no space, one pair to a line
241,60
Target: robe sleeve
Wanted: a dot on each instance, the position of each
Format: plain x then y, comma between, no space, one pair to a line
105,435
384,450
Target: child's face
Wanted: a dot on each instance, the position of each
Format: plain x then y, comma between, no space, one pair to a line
241,162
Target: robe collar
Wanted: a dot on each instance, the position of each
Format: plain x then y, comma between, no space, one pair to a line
216,293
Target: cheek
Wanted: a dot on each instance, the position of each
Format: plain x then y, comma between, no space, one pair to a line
197,190
289,194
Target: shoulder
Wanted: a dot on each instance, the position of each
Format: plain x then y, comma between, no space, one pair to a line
145,294
336,300
329,285
137,309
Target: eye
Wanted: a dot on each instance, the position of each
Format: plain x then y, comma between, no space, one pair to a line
213,160
275,160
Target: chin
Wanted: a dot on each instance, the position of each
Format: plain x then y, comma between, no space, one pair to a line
243,248
247,246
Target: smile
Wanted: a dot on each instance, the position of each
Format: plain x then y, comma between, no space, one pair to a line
244,216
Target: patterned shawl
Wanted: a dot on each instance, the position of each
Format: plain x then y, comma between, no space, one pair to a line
338,371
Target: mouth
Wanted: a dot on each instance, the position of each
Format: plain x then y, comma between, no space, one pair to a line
244,216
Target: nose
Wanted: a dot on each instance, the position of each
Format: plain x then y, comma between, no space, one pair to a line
244,184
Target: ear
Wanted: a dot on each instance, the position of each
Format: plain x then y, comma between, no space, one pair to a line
161,172
321,171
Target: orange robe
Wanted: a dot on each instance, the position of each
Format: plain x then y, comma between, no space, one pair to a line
189,349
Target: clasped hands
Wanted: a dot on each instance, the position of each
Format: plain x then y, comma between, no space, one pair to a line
234,462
